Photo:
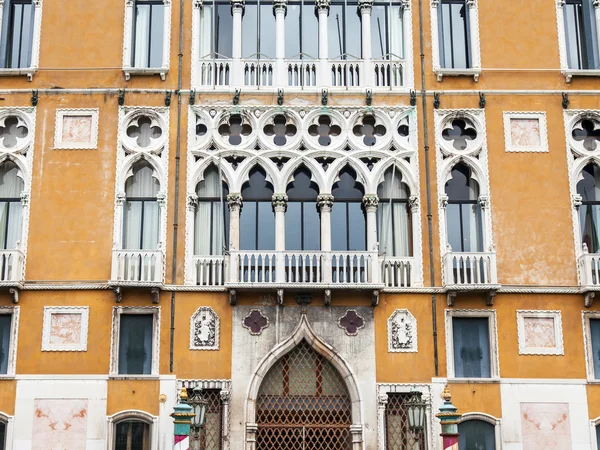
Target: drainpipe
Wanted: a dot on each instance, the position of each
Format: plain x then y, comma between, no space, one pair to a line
176,201
428,186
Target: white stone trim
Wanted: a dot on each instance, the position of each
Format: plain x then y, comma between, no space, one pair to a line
535,115
9,436
593,424
128,69
58,131
14,339
112,421
438,70
558,335
490,314
497,423
410,320
586,315
35,45
217,325
115,335
83,311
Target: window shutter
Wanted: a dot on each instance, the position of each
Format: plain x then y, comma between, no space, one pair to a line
5,321
595,333
471,348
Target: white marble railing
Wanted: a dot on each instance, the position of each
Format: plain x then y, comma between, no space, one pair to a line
209,270
214,72
589,269
345,73
397,272
302,73
470,269
259,73
387,73
137,266
11,265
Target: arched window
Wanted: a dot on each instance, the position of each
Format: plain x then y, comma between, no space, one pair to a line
463,213
589,189
132,435
393,215
2,435
257,220
476,435
598,436
302,223
348,222
142,217
211,231
11,187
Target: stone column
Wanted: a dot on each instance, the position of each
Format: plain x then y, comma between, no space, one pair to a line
191,272
235,206
280,10
237,11
370,202
484,203
279,207
225,397
364,8
182,417
325,203
416,273
475,57
596,4
382,400
322,10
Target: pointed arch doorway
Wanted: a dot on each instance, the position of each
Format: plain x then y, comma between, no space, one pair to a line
303,404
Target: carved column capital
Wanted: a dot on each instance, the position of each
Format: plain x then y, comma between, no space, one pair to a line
484,201
161,198
237,5
192,202
234,201
24,198
325,202
405,5
370,202
322,5
225,396
472,3
279,5
197,4
279,202
120,200
596,3
577,200
413,203
443,201
382,400
365,5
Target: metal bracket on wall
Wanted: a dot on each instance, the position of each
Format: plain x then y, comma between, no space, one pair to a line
436,100
118,294
413,98
327,297
167,98
232,297
121,97
280,96
324,97
375,298
34,98
481,100
192,97
565,100
369,97
588,299
280,297
155,293
236,96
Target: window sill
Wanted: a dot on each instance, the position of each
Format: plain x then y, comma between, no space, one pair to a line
134,377
129,71
570,73
441,73
7,377
28,71
474,380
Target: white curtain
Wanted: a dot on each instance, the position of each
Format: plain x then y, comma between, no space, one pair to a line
142,30
396,32
142,213
394,226
206,32
473,233
209,214
11,186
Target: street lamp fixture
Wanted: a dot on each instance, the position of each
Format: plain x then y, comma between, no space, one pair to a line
416,412
199,405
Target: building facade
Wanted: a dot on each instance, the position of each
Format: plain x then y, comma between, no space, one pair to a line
309,210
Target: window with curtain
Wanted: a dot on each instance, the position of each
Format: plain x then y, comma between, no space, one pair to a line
454,34
148,33
344,30
211,231
257,220
258,30
580,33
11,187
463,212
394,228
471,347
17,34
589,189
301,31
132,435
135,344
5,325
595,335
476,435
142,212
216,28
386,31
348,221
302,222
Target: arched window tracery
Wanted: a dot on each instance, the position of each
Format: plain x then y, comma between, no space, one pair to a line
394,216
589,210
302,216
347,215
211,218
257,220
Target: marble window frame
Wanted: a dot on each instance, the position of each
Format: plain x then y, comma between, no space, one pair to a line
497,423
14,336
115,338
587,345
558,350
80,112
594,440
490,314
142,416
8,421
48,311
526,115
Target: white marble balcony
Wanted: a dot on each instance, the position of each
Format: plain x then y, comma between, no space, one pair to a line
470,271
11,267
397,272
143,268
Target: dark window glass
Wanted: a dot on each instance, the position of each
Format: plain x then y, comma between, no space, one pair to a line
216,30
348,222
5,322
148,31
257,220
142,215
301,31
17,34
132,435
454,34
2,435
595,333
471,347
258,31
463,212
11,187
386,31
135,344
211,231
476,435
302,225
589,189
598,436
580,31
343,28
394,230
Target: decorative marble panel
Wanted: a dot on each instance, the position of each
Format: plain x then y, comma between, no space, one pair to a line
76,129
60,424
525,132
65,328
545,426
402,332
540,333
204,329
351,322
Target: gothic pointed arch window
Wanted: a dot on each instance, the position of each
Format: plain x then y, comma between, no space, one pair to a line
588,188
347,215
394,228
303,403
141,222
463,212
257,220
11,187
302,222
211,219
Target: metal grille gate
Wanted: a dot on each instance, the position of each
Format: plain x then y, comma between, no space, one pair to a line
398,436
303,404
210,436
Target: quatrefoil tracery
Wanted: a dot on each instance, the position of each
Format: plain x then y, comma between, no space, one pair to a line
144,131
587,133
324,130
369,130
235,129
459,132
12,129
280,129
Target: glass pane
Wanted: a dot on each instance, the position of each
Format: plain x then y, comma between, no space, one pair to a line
132,225
471,347
138,435
248,226
14,45
357,227
340,225
335,31
121,435
352,30
141,36
471,228
588,219
310,32
266,226
250,32
595,333
157,24
151,226
453,228
26,36
2,436
142,183
379,32
207,34
5,321
224,30
267,32
202,220
292,32
574,34
293,226
135,344
312,227
598,436
13,232
454,44
476,435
